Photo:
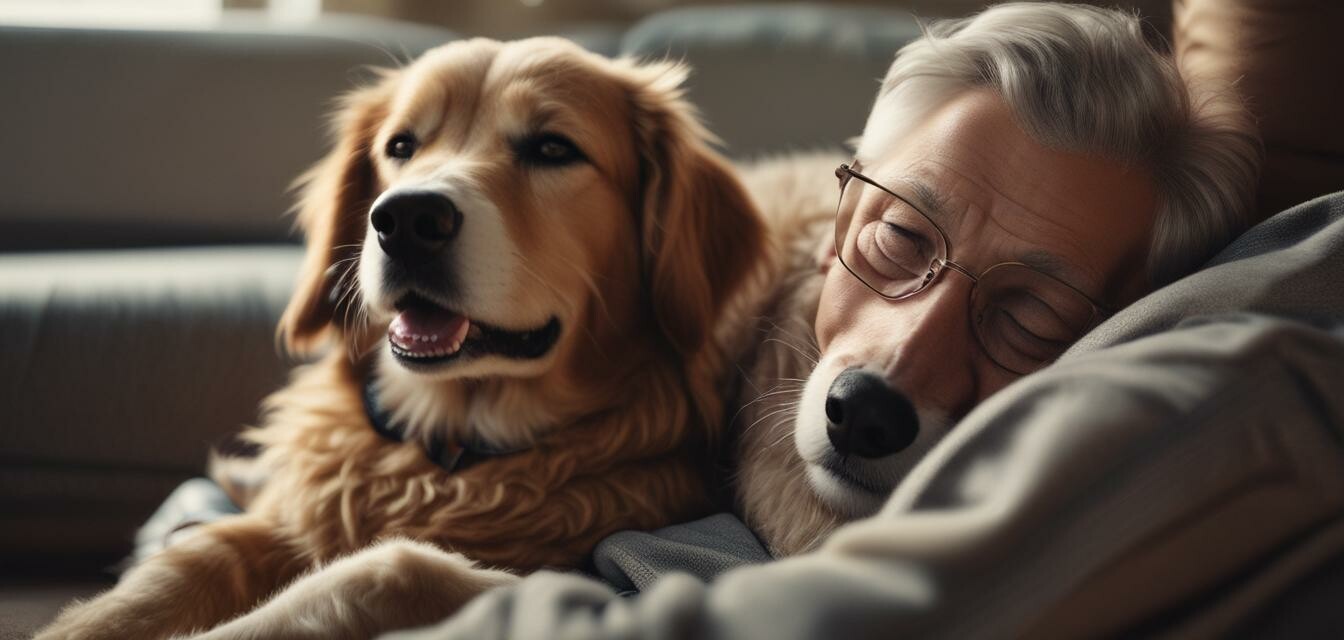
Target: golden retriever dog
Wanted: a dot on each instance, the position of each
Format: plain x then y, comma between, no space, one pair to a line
517,258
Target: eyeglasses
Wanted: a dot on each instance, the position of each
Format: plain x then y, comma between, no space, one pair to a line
1023,318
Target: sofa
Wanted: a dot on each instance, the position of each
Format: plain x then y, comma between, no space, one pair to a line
145,254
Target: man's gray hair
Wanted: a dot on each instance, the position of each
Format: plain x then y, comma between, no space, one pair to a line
1086,79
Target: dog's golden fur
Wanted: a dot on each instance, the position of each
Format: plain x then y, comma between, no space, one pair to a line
776,346
638,251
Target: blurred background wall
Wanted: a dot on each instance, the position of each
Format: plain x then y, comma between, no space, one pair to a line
514,18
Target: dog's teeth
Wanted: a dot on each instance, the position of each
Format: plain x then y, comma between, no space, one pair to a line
435,338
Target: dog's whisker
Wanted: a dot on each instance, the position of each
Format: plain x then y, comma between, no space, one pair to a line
569,305
809,333
776,389
523,263
805,355
346,286
773,391
766,416
787,434
746,377
808,337
350,298
591,284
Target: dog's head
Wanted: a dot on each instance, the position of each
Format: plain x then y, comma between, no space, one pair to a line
526,211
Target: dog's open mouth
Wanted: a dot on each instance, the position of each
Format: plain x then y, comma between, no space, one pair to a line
424,333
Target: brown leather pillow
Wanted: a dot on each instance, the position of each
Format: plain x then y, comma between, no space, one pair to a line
1285,58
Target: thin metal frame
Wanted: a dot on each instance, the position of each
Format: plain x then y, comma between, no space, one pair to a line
845,172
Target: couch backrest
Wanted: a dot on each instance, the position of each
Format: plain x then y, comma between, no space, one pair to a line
123,138
769,80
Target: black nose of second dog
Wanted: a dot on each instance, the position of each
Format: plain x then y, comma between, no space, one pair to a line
867,417
414,226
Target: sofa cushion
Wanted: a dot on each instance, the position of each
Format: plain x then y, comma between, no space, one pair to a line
773,79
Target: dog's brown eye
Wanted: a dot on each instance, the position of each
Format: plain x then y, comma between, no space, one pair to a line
554,150
548,149
401,146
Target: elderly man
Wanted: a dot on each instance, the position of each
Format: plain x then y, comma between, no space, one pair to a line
1023,175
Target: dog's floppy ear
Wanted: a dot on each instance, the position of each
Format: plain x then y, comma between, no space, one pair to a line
700,232
333,206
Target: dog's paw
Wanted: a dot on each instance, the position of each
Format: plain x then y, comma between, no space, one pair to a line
91,620
109,616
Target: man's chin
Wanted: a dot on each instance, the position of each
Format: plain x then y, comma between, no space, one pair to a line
844,494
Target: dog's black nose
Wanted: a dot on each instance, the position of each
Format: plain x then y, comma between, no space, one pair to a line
867,417
413,226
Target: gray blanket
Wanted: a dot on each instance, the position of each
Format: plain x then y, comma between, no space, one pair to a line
1178,468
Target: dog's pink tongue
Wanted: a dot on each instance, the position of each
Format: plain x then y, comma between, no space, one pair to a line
424,330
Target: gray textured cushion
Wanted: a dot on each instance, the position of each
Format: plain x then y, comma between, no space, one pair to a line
1291,265
704,548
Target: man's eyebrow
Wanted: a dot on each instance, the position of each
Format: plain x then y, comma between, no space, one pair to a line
934,205
1047,263
1059,268
928,200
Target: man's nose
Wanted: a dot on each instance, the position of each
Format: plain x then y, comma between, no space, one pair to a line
932,358
414,226
867,417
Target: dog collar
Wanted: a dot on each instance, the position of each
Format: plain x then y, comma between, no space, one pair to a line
452,456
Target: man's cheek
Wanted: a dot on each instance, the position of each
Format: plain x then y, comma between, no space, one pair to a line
993,379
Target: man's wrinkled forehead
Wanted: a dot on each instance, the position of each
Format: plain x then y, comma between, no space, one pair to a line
1080,217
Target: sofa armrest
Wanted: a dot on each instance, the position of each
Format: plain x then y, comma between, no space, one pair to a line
121,369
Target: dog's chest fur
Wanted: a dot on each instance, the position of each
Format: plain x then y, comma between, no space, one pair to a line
334,485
